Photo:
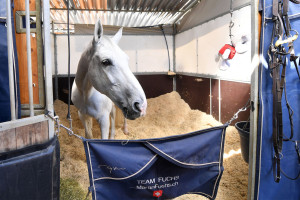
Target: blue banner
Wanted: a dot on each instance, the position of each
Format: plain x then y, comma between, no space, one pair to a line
161,168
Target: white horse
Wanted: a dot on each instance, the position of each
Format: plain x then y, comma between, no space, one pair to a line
103,77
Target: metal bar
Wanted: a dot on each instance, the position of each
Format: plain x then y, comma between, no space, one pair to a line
160,5
152,6
48,66
22,122
174,57
129,4
219,100
144,5
254,98
29,67
55,65
197,55
168,5
187,4
113,10
210,98
39,44
10,61
186,10
174,47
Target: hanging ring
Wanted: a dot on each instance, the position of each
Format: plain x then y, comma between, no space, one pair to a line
279,157
290,39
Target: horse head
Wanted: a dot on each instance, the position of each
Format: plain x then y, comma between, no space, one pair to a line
109,73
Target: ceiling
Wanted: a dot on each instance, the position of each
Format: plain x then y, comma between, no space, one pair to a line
126,13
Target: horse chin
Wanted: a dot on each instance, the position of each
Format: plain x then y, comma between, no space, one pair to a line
131,115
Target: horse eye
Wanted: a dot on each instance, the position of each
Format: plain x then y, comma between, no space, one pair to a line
106,62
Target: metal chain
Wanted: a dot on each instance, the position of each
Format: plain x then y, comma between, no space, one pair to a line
236,115
58,125
231,23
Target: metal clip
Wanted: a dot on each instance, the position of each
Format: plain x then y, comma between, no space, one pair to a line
58,125
236,115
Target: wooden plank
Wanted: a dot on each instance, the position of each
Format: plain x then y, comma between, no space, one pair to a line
8,140
41,134
24,136
22,58
19,5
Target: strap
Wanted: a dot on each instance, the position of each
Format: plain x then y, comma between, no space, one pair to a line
277,118
277,58
293,58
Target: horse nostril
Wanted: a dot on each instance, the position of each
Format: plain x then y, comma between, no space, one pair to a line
137,106
125,110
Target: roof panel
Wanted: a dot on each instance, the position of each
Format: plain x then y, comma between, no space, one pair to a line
127,13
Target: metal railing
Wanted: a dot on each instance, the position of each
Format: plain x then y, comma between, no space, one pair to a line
47,70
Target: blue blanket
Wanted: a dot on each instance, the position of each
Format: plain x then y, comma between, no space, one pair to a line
161,168
265,186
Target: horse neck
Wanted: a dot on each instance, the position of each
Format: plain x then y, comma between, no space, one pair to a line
82,81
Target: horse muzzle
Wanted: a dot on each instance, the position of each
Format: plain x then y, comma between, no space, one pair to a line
138,109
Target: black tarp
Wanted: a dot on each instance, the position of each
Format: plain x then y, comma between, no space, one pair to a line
5,114
31,173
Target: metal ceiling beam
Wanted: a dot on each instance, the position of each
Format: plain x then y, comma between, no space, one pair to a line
187,10
111,10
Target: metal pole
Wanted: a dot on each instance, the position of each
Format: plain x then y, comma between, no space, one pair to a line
48,66
55,63
10,61
210,98
29,67
252,175
174,56
219,100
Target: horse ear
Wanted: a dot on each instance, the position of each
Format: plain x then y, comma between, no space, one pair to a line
118,35
98,31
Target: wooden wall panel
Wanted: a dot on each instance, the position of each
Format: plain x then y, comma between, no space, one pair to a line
234,96
23,136
195,91
41,133
19,5
156,85
8,140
